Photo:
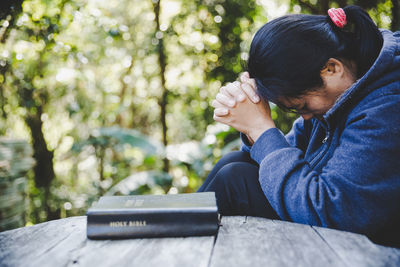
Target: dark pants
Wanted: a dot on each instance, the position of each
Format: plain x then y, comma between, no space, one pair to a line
234,179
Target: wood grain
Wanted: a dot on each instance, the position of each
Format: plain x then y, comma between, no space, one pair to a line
358,250
64,243
241,241
271,243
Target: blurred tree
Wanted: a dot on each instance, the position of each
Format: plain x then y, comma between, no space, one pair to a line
380,10
216,35
395,26
9,11
162,63
73,70
322,6
31,96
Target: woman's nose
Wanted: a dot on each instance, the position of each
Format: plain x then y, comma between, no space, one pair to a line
307,116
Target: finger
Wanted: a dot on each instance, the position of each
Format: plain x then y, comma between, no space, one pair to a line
235,90
229,93
244,76
253,83
223,91
220,119
220,112
216,104
227,101
248,89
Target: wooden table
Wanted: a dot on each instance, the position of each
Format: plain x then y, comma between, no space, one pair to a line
241,241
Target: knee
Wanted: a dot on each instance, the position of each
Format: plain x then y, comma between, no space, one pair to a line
232,187
236,156
236,173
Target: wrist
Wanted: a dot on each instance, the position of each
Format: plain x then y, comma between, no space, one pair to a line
255,133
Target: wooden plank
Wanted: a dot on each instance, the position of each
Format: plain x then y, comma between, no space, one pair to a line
190,251
259,241
309,246
358,250
44,244
64,243
241,241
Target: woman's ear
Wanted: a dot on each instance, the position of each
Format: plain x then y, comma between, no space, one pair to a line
333,67
336,77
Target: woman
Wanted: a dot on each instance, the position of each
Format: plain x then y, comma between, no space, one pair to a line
339,166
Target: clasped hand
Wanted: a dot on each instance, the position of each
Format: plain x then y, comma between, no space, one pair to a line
238,105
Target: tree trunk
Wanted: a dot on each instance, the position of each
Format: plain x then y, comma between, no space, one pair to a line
3,100
324,7
342,3
395,26
9,12
120,118
44,171
304,4
163,101
100,153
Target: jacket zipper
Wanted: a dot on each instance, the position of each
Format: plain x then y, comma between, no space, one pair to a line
318,157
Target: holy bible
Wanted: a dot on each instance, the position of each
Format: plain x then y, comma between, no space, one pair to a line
191,214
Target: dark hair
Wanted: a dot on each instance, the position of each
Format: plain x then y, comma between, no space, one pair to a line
288,53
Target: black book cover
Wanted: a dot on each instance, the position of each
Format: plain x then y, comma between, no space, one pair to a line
193,214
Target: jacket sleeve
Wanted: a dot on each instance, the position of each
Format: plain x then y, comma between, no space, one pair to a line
246,146
297,137
358,188
299,134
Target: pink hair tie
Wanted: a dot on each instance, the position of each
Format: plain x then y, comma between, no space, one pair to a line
338,16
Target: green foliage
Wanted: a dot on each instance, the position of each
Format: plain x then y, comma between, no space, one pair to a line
81,78
379,10
142,183
116,138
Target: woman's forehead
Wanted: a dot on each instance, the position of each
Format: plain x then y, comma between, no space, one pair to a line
300,100
292,101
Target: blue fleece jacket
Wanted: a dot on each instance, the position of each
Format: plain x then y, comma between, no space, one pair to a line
343,171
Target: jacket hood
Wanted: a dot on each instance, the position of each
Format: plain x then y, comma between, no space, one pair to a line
385,70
